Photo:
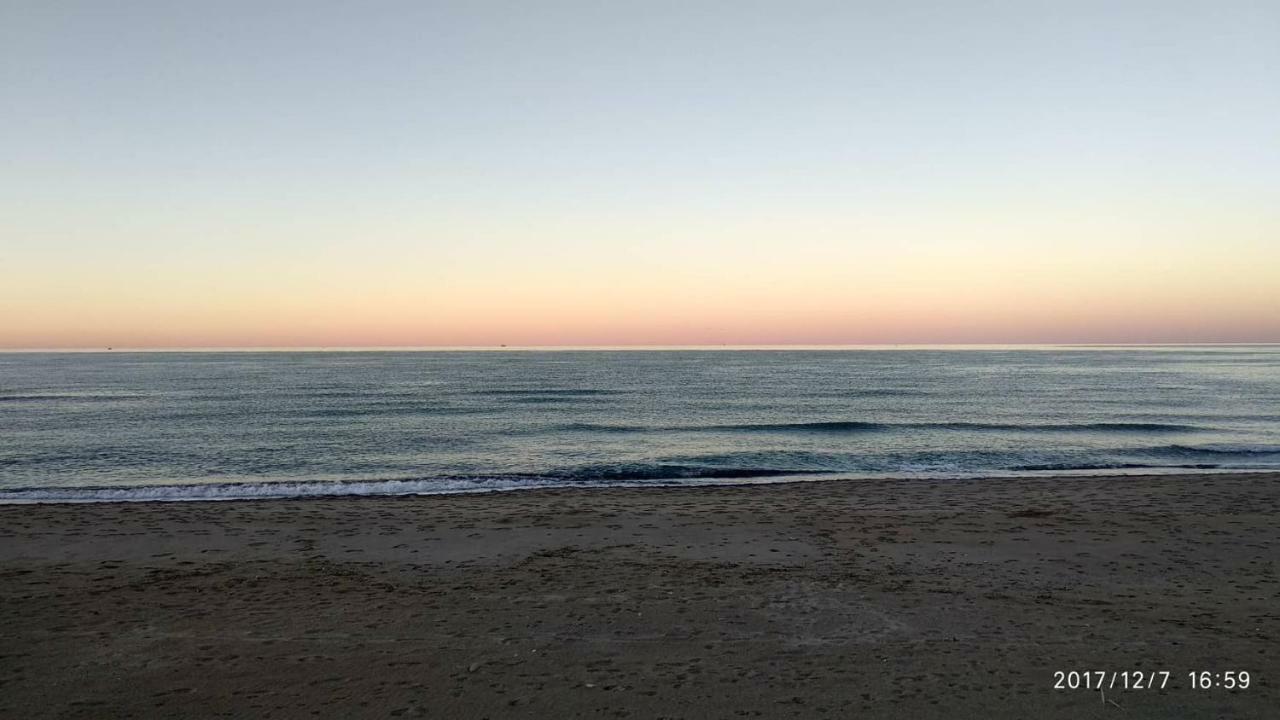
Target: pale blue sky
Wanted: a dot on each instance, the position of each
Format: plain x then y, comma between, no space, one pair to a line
637,96
141,130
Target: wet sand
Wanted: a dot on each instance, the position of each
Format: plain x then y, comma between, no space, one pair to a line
836,599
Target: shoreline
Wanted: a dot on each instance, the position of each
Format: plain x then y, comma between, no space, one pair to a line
589,486
875,598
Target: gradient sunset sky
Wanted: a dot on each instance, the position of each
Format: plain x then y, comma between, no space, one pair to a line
181,174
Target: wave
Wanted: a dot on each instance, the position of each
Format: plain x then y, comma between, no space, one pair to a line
550,392
602,428
714,469
859,426
262,490
546,399
1069,427
856,426
672,471
1220,449
869,393
1077,466
832,426
66,397
603,476
619,476
386,410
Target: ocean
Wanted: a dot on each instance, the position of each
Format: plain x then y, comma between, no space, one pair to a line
222,425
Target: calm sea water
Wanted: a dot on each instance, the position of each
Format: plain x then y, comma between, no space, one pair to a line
81,426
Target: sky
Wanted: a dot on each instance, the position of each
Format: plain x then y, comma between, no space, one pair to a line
479,173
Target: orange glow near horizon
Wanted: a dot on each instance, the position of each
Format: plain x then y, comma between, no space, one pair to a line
984,286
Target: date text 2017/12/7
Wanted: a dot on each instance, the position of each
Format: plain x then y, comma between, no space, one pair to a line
1110,680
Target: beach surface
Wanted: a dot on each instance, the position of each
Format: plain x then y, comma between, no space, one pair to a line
840,599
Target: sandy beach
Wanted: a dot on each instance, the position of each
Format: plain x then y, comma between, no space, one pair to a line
887,598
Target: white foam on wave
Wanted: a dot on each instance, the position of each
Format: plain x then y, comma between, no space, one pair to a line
267,490
203,492
1232,448
314,489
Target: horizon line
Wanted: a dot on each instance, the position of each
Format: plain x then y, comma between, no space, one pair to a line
624,347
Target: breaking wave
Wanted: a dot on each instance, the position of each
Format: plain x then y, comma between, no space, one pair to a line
608,476
937,466
856,426
1222,449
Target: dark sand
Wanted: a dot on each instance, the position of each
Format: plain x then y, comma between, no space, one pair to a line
837,599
